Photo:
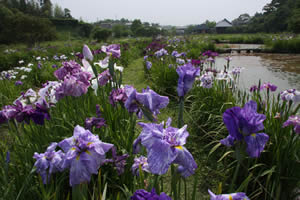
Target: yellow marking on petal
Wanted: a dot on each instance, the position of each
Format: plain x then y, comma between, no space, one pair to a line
77,158
89,143
230,197
253,135
179,147
73,148
88,152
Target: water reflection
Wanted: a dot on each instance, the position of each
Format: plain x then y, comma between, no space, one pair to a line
282,70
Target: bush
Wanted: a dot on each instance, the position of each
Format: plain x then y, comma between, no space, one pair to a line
101,34
18,27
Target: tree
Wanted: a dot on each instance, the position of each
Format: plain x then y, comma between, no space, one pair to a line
136,25
58,12
67,13
101,34
47,8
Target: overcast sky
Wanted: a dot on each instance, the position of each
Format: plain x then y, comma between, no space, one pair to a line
164,12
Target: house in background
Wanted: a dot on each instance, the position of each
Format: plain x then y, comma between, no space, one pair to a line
222,26
180,30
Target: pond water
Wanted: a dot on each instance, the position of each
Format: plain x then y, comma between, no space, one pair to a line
282,70
240,46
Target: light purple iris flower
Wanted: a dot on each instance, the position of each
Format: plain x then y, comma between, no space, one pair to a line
49,162
206,81
180,61
187,74
140,161
290,95
243,125
148,65
144,195
161,53
233,196
69,68
41,112
85,153
148,99
73,86
268,86
164,147
87,53
104,77
113,49
294,121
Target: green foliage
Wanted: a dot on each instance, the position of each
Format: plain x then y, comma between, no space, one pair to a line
120,30
101,34
20,28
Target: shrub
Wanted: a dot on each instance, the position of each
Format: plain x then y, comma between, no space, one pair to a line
101,34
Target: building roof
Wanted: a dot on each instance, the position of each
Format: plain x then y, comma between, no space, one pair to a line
223,23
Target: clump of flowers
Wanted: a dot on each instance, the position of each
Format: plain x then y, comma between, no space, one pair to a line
98,121
243,125
290,95
164,147
49,162
161,53
84,154
144,195
118,161
187,74
293,121
148,65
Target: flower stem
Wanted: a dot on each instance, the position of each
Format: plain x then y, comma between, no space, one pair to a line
180,114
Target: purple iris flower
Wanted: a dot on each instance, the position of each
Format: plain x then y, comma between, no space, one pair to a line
69,68
236,70
18,83
49,162
294,121
24,113
253,88
73,86
175,54
7,159
140,161
144,195
41,112
233,196
148,65
98,121
187,74
268,86
164,147
104,77
118,161
7,113
113,49
145,57
117,95
196,62
147,99
243,125
87,53
290,95
85,153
